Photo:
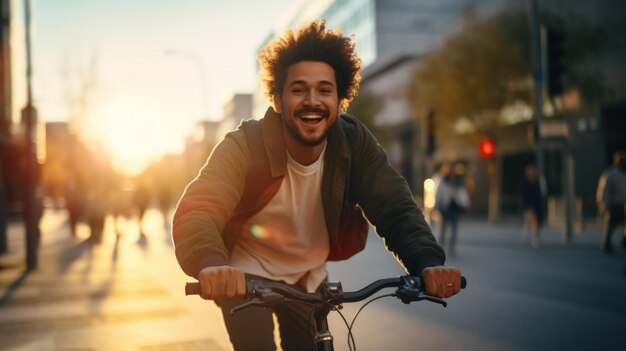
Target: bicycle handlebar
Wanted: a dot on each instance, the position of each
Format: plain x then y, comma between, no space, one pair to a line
329,297
409,289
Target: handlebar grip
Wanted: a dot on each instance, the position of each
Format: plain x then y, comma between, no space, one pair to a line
192,289
463,282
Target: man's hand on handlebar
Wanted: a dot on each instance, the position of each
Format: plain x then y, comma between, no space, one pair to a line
222,283
442,282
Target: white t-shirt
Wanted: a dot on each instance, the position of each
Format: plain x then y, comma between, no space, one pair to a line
288,239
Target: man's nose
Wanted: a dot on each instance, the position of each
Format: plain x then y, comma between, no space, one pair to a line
311,98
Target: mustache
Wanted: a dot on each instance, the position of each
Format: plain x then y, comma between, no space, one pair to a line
321,112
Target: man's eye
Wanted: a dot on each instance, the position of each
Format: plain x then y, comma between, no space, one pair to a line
297,91
326,91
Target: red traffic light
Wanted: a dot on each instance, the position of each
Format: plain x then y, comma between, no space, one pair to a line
486,148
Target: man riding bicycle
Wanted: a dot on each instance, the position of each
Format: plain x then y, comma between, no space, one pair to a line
280,197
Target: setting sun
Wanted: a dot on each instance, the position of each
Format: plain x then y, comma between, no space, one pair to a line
122,88
135,133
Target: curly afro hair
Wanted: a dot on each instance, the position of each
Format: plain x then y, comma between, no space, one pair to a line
312,42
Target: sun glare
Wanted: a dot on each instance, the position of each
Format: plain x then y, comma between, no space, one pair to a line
133,135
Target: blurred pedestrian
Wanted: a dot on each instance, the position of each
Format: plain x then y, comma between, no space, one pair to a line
165,200
75,205
451,200
532,203
611,197
141,199
97,207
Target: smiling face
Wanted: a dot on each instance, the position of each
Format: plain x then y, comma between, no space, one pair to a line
309,105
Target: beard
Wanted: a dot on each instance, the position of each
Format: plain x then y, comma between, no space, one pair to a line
295,133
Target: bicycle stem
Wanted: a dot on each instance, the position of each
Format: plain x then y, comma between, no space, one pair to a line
323,336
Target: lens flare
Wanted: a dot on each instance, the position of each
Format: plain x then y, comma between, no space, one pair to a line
259,232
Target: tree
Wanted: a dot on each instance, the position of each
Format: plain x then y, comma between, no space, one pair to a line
484,68
476,72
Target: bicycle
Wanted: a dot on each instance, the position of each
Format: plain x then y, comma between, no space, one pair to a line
330,297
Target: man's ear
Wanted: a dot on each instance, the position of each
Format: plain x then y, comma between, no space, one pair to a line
277,105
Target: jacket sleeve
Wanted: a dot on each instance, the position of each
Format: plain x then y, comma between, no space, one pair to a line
388,204
207,204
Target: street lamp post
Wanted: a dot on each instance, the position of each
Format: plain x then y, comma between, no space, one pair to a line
201,73
538,77
29,121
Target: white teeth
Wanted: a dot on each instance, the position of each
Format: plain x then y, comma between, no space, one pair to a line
311,116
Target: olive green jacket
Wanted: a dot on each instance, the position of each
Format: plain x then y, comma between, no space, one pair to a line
355,173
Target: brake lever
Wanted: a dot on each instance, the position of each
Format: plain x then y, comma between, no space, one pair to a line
262,298
409,294
250,303
433,299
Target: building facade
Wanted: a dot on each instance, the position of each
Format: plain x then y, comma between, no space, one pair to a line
237,109
393,36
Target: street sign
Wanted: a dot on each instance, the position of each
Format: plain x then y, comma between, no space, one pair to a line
554,130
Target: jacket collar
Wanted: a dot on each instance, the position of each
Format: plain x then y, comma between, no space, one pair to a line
274,143
337,141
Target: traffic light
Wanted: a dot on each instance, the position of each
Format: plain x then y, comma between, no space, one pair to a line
486,148
555,56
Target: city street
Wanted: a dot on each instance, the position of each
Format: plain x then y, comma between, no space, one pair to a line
126,293
558,297
279,119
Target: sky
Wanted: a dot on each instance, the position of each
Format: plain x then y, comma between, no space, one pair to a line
140,101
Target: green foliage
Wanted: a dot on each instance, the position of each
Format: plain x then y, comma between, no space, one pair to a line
476,71
486,66
365,107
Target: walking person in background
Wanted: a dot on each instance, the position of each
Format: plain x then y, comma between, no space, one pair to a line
532,204
75,204
96,212
611,198
141,200
164,199
451,200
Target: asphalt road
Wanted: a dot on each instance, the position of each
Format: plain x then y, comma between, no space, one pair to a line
557,297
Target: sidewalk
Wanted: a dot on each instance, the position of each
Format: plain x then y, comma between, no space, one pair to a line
125,293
